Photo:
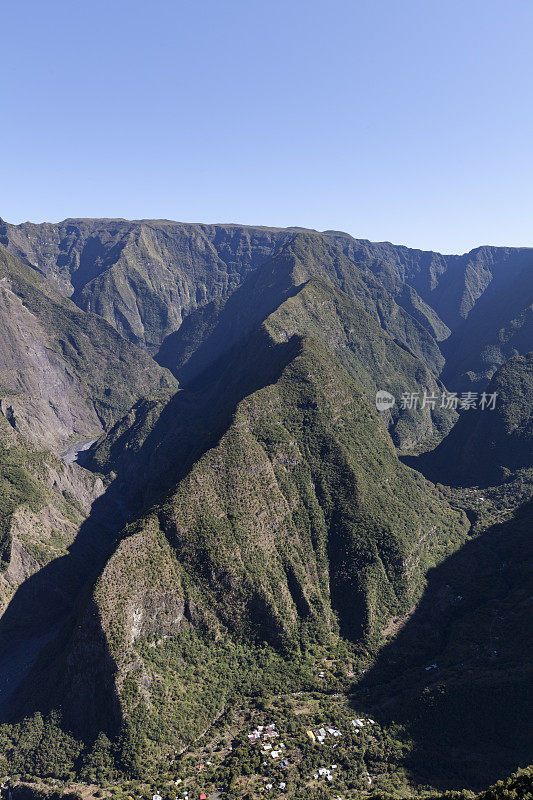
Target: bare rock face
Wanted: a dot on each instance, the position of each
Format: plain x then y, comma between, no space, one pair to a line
42,398
143,276
63,374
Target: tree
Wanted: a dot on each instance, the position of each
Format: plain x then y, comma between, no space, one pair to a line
99,765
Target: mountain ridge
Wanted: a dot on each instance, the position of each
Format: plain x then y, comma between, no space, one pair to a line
248,537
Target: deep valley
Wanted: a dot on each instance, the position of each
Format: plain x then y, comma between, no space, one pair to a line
224,570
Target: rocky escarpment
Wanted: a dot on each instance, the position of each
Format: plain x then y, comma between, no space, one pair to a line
64,375
362,325
42,397
451,285
146,277
143,277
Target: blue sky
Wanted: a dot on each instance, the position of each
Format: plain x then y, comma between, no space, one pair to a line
402,120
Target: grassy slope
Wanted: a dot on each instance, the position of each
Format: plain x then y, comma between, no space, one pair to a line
469,716
154,442
370,356
352,325
213,329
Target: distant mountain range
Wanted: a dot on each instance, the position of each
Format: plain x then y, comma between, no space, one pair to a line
200,503
145,277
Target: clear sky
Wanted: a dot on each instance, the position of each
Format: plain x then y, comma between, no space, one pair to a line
402,120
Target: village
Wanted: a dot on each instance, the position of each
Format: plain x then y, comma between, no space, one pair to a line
314,748
267,741
304,744
314,744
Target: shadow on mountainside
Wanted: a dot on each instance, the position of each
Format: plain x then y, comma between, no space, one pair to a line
38,671
151,462
459,675
45,600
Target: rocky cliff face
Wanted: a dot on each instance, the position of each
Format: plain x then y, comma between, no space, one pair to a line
361,324
44,503
156,442
305,256
143,277
481,298
42,397
146,277
451,285
63,374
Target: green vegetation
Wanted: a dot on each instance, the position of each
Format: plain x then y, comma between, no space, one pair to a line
489,447
311,289
308,457
366,762
281,566
17,486
43,519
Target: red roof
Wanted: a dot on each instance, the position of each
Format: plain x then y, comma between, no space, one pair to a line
203,797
